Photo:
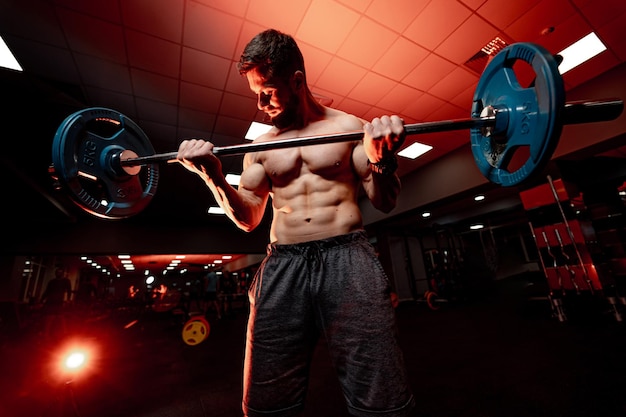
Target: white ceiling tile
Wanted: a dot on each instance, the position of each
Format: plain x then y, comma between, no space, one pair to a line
248,31
371,88
328,98
103,73
358,5
494,12
185,133
190,118
123,103
473,4
234,105
373,113
59,66
614,34
210,30
153,54
545,14
574,27
428,72
237,83
337,21
353,107
402,57
225,125
340,76
103,9
204,69
467,40
315,61
92,36
162,136
366,43
154,86
399,97
30,19
200,98
448,112
283,15
436,22
157,111
454,83
422,107
396,15
582,3
610,10
148,16
464,100
236,8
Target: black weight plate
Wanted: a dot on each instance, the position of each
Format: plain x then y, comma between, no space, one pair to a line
82,155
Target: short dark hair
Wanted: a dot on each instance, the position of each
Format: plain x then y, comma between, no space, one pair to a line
273,54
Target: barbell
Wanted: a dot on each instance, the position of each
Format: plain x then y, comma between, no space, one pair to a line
110,168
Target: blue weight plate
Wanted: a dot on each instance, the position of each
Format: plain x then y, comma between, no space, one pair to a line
534,115
82,152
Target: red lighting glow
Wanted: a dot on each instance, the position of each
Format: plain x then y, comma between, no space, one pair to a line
75,358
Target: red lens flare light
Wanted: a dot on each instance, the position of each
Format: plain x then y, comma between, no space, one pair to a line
75,358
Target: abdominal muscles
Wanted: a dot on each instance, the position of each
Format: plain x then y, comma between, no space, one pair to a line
311,210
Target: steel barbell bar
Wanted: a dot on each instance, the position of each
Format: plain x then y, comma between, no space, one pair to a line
573,113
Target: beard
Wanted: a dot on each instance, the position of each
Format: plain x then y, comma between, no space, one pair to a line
288,117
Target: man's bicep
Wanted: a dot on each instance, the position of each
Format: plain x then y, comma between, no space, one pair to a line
254,186
254,179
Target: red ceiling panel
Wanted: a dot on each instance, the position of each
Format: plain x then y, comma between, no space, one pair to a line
402,57
397,15
209,30
499,15
93,36
153,54
366,43
327,14
429,72
436,22
284,15
204,69
147,16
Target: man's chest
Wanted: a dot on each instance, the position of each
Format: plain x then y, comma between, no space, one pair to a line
325,160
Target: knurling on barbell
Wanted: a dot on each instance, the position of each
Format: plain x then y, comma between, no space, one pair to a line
110,168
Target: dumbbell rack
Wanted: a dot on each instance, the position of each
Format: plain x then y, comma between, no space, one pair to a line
567,246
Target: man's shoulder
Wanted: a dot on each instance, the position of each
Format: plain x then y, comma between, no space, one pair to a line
340,116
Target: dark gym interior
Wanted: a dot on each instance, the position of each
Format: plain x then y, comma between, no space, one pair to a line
522,317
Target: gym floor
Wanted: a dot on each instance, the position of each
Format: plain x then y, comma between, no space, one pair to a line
497,353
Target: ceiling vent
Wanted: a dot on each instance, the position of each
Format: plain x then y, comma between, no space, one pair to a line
480,59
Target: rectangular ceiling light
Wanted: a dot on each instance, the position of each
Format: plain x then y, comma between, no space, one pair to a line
256,129
580,51
233,179
7,60
216,210
415,150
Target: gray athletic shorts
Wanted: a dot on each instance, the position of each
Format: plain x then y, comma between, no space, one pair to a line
335,287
